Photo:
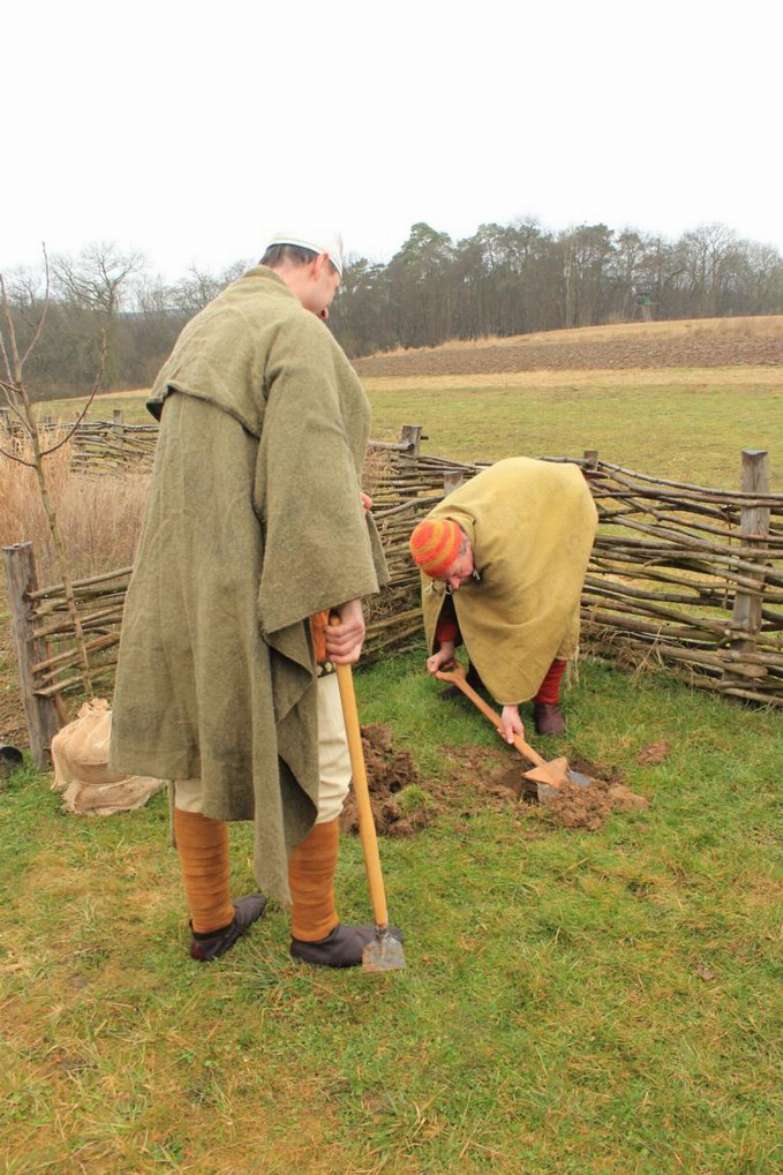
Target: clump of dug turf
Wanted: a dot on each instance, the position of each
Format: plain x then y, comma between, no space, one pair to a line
588,807
579,807
400,805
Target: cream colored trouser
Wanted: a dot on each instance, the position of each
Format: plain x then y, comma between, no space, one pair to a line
334,761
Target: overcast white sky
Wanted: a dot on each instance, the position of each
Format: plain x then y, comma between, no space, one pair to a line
191,131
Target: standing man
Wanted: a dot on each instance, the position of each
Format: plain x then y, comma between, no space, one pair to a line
254,524
503,560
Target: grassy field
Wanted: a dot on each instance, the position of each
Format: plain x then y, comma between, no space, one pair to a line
685,424
691,432
606,1002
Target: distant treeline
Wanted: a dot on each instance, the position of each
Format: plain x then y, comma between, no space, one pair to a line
505,280
517,278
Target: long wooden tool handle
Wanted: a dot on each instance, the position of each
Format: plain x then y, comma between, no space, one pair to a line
372,861
494,718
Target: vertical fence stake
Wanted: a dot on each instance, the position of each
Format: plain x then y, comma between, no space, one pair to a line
754,531
452,480
590,457
411,434
41,713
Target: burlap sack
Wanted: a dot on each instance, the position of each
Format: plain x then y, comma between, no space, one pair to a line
80,753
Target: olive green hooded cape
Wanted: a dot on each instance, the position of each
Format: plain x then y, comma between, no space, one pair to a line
254,523
531,525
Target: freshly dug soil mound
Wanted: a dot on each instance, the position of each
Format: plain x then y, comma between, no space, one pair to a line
588,807
575,806
479,777
401,806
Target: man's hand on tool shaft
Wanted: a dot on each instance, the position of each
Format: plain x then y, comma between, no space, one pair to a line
442,659
344,640
510,724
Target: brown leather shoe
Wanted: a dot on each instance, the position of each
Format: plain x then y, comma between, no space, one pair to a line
548,718
342,948
206,947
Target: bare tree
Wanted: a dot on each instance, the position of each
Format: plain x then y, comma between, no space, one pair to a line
198,287
16,396
97,280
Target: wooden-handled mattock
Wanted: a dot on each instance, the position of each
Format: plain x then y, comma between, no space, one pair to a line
554,773
385,952
361,791
477,700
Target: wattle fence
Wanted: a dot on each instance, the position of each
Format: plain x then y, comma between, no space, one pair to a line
97,446
681,577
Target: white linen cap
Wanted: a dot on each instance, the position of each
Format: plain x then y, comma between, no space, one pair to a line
318,242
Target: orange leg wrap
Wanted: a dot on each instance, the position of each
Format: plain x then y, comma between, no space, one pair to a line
311,869
202,845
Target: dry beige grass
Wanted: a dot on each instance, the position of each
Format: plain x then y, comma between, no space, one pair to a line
376,465
100,517
642,377
761,327
127,393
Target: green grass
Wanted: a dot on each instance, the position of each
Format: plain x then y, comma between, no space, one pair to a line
132,407
603,1002
685,433
690,432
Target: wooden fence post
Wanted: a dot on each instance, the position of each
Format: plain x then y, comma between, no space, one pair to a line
411,434
590,457
452,480
116,417
754,531
41,713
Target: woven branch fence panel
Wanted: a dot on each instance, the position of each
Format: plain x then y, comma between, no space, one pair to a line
100,447
97,446
681,576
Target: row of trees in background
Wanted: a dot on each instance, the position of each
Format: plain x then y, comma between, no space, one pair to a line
106,297
504,280
517,278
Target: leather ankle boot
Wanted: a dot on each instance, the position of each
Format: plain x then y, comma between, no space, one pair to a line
344,947
548,718
206,947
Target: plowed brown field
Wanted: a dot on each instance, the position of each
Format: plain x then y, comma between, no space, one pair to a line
712,343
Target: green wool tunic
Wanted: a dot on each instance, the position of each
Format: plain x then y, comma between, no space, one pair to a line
254,523
531,524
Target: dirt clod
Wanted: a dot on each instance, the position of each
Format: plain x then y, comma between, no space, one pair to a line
654,753
588,807
400,804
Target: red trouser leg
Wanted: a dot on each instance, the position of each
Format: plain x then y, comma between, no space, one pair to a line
549,690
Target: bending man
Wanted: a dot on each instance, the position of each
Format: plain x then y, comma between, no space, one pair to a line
503,559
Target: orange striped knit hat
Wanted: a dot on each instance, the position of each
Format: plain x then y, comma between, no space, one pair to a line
435,544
